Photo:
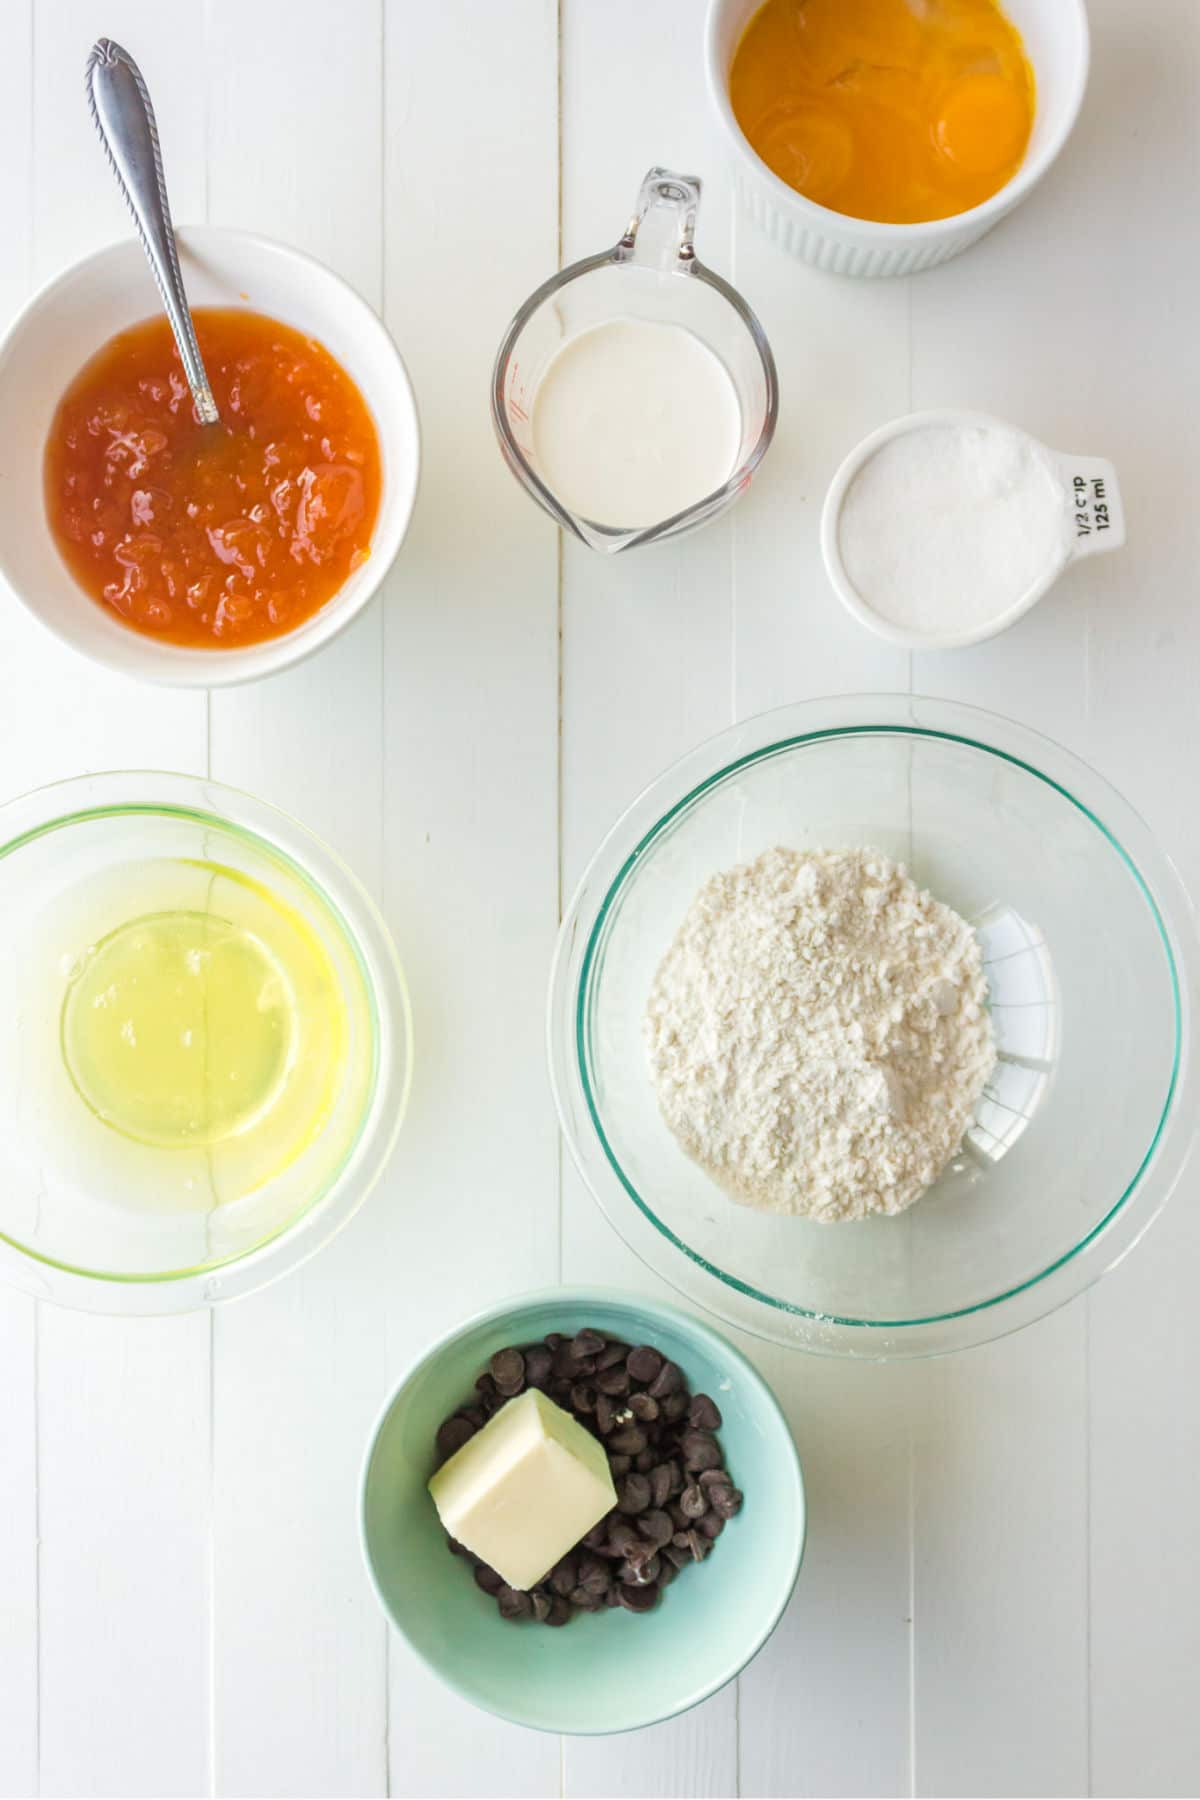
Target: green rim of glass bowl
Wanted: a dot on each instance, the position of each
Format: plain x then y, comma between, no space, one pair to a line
695,793
274,853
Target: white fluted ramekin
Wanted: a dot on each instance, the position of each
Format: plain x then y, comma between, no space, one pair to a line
1055,34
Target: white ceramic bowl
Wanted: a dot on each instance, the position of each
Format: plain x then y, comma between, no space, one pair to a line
68,321
1055,34
1090,489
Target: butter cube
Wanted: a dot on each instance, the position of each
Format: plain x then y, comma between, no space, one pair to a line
526,1488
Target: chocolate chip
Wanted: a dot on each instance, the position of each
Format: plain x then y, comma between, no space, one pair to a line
586,1343
585,1600
619,1465
565,1366
641,1572
513,1603
633,1495
710,1525
700,1451
678,1558
644,1364
453,1433
704,1413
559,1612
622,1537
693,1502
629,1441
488,1580
508,1370
583,1397
594,1574
565,1574
656,1526
713,1478
598,1535
538,1363
643,1407
552,1339
613,1596
639,1551
667,1572
612,1354
678,1483
613,1381
474,1415
660,1484
725,1500
645,1460
636,1599
668,1379
606,1414
455,1548
698,1545
674,1407
540,1601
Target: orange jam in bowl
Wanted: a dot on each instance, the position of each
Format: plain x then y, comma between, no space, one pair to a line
219,535
900,111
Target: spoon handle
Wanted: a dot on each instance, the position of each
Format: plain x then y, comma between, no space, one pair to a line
124,117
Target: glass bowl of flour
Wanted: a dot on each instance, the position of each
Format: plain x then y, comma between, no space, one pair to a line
801,883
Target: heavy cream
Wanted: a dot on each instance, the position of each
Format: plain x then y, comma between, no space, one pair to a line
634,422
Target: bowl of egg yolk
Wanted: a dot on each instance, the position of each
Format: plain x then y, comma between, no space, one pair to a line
880,137
202,555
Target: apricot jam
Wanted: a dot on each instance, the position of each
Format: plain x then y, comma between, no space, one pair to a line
894,110
213,535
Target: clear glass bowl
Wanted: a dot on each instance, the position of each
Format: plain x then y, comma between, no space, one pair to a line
1089,943
110,1217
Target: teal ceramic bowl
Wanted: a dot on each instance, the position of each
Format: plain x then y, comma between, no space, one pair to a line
607,1671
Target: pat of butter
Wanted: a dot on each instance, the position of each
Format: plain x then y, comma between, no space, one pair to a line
526,1488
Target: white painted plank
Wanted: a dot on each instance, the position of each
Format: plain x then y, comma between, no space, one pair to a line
646,663
124,1523
1144,646
18,1548
1000,1456
123,1458
294,133
470,751
18,1324
825,1708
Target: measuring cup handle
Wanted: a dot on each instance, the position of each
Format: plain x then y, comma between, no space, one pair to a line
660,233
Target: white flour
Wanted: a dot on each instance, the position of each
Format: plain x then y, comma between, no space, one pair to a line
817,1033
948,526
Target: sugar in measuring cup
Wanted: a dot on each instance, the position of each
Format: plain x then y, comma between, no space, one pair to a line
635,393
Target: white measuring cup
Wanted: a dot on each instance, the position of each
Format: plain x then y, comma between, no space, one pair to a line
652,273
1091,502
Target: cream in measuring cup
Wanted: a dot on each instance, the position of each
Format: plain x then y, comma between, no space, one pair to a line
943,528
635,393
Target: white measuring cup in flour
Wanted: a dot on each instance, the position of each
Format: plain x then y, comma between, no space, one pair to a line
943,528
583,348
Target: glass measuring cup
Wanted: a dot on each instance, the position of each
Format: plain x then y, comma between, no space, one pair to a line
652,274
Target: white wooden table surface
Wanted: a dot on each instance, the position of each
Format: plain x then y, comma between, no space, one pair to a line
1001,1593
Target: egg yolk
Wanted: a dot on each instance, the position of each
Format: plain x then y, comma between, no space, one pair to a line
893,110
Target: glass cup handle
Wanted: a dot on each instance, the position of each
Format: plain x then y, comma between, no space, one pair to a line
660,233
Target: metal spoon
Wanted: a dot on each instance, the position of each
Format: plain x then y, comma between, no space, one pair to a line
120,106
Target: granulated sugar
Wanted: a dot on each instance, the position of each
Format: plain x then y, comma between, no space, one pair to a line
947,526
